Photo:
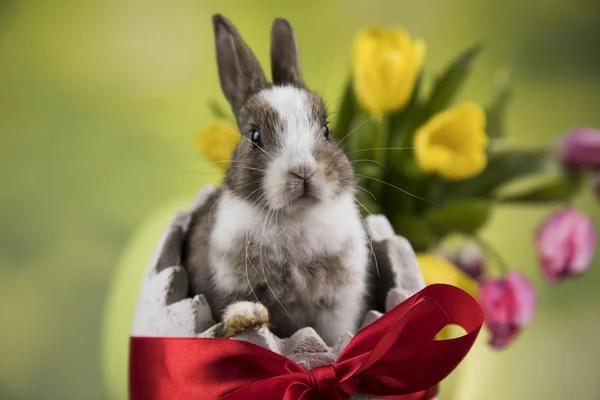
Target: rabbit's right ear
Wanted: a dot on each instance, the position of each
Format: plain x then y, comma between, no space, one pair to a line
240,73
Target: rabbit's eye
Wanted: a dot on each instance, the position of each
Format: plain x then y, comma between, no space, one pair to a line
255,137
326,132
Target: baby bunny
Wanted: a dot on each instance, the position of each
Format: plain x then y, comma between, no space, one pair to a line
281,242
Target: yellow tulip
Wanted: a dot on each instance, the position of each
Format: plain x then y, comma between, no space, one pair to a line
217,141
386,66
436,269
453,142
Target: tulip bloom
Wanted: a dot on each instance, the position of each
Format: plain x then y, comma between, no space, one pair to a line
436,269
508,305
453,142
217,142
386,66
580,149
470,259
565,244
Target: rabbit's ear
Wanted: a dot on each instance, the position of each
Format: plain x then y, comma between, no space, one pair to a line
240,73
285,65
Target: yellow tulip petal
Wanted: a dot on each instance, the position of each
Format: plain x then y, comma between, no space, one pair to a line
386,65
452,142
436,269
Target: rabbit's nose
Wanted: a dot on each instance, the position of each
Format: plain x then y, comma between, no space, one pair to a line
303,171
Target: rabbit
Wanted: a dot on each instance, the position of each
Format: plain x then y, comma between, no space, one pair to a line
281,242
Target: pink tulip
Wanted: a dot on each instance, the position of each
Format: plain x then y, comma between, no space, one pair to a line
580,149
565,244
470,258
508,305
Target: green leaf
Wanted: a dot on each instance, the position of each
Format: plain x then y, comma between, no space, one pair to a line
496,112
449,83
559,189
503,167
217,110
417,231
346,113
462,216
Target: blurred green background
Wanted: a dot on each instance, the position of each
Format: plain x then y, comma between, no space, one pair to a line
99,102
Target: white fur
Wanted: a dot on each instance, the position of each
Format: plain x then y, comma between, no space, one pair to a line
326,228
300,131
297,141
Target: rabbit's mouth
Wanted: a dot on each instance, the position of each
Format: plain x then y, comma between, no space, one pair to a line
304,201
303,192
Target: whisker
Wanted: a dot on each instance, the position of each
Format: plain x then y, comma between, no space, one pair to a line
362,188
206,173
381,148
268,263
359,187
371,245
227,248
330,68
248,258
270,157
369,160
265,276
258,202
354,130
395,187
370,239
233,162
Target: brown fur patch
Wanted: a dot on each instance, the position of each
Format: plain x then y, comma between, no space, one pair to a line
316,107
240,73
247,169
285,63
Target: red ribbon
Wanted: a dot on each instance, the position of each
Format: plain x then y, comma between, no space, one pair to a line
396,357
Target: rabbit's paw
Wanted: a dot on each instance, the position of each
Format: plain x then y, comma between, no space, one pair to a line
242,316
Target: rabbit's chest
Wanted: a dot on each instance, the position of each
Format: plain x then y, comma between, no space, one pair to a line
293,260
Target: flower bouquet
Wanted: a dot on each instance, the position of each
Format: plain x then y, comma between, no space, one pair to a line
436,169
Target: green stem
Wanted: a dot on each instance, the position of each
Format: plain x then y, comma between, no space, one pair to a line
490,251
498,147
379,155
382,139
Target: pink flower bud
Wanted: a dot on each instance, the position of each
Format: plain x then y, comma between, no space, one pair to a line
565,244
508,305
471,259
580,149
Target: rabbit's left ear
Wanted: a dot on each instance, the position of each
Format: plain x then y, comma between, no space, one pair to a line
285,66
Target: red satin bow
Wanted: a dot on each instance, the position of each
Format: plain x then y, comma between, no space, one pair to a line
396,357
